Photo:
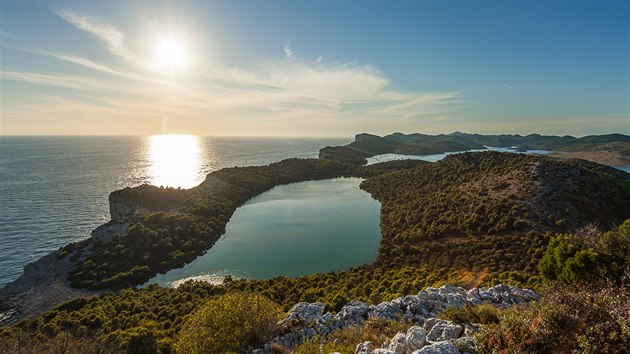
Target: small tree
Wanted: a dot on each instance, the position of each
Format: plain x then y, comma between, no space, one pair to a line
231,323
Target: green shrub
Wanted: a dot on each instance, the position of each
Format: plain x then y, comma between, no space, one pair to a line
237,322
588,257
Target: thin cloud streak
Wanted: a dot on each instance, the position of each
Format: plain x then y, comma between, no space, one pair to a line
6,35
113,38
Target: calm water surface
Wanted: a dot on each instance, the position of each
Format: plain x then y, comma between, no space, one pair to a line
293,230
438,157
53,190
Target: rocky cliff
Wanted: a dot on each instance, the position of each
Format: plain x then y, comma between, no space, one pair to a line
44,283
119,207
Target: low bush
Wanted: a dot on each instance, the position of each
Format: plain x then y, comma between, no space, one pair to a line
232,323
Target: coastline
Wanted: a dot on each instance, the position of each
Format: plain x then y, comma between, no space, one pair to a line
44,283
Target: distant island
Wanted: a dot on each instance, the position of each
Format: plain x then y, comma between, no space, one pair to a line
611,149
475,219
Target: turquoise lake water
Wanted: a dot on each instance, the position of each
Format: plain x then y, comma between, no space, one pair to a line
54,189
293,230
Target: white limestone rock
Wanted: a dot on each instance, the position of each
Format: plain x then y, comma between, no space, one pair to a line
364,348
445,330
386,311
382,351
306,312
429,323
439,348
352,313
397,344
415,338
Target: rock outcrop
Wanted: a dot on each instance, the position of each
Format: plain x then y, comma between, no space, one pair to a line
119,208
429,334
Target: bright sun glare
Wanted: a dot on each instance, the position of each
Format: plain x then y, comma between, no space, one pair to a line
175,161
170,55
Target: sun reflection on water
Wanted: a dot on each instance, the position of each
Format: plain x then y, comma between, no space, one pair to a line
175,161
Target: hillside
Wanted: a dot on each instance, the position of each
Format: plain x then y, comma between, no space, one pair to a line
491,209
597,148
470,218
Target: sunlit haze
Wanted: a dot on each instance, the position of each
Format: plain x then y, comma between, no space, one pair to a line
275,68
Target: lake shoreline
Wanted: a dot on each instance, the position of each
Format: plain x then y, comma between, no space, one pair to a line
291,230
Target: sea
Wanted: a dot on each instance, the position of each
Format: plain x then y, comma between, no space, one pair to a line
54,190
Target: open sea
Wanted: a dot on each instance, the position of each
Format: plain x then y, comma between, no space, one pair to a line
54,190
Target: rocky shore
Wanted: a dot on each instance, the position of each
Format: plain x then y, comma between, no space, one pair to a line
427,335
44,283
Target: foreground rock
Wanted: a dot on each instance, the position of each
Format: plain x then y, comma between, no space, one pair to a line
44,283
307,321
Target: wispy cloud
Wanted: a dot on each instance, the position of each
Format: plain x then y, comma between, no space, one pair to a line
288,52
114,38
509,87
65,81
84,62
5,35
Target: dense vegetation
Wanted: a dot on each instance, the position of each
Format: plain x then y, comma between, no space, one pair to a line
493,193
471,219
589,257
135,321
587,307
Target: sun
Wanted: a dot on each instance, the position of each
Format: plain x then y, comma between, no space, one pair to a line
170,55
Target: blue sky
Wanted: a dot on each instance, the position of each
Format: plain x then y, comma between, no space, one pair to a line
314,68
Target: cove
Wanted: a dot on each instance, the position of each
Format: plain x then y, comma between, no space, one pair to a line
293,230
